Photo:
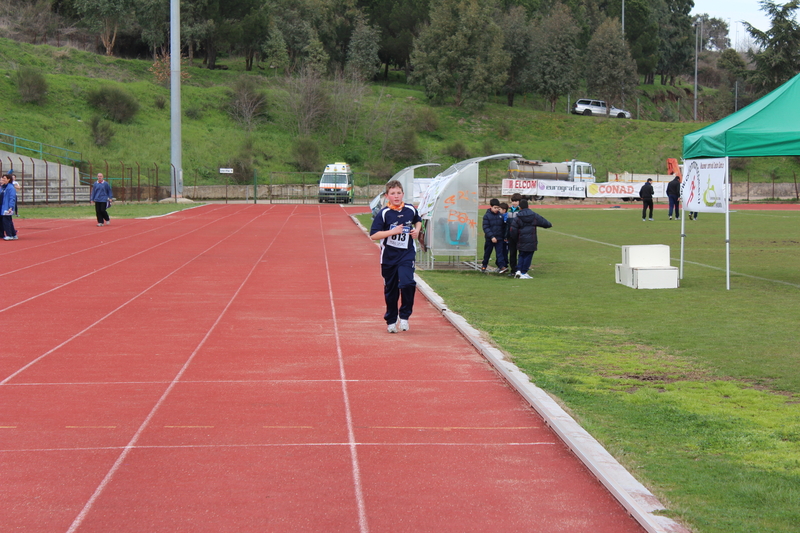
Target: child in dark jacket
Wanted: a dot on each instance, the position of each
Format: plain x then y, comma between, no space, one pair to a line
494,230
523,233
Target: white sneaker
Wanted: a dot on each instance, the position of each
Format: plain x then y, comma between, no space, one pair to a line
392,328
651,220
518,274
99,225
403,325
525,276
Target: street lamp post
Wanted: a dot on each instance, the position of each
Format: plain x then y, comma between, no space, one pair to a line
695,69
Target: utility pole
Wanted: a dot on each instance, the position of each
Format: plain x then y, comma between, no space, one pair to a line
696,53
175,97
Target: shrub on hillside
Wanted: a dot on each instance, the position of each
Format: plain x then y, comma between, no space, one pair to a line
427,120
247,104
194,113
32,85
115,103
160,101
243,165
102,131
383,169
306,154
403,145
458,150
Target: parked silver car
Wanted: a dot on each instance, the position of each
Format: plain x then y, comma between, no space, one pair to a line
588,107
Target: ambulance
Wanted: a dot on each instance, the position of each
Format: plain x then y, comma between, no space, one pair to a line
336,184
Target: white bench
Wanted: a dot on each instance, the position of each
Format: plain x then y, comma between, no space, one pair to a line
647,267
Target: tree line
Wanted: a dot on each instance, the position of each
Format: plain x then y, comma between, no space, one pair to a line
459,50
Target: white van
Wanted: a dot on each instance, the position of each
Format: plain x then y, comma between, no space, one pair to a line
336,184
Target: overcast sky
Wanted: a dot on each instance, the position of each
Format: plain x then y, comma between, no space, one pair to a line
734,12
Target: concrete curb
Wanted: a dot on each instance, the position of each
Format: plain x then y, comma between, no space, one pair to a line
634,496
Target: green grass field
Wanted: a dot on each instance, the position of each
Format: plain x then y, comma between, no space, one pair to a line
695,390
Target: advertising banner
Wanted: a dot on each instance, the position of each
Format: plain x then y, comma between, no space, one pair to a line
704,188
623,189
569,189
524,187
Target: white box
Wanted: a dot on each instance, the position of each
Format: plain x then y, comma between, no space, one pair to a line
646,255
624,274
655,278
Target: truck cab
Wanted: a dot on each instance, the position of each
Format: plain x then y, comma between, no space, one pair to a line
580,171
336,184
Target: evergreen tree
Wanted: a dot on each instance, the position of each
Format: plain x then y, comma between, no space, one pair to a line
106,15
518,38
556,55
460,53
676,44
611,72
779,58
274,50
362,53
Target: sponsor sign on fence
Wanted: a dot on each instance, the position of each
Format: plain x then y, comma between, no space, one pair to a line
620,189
569,189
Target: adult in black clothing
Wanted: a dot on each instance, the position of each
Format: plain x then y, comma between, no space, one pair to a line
646,194
674,195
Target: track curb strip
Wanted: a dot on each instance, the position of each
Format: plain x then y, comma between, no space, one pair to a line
634,497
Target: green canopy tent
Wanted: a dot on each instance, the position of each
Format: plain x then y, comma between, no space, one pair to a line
769,126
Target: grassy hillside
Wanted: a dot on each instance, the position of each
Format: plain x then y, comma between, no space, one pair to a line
211,138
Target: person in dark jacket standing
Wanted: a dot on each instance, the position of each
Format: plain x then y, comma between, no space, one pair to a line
523,234
646,194
512,248
494,229
101,196
674,195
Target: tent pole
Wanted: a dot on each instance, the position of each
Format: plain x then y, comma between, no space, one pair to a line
683,238
727,226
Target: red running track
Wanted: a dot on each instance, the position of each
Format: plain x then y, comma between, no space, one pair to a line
227,369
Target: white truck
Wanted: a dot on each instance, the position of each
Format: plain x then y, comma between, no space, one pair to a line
524,169
336,184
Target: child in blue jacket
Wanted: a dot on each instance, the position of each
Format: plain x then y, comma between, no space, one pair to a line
7,206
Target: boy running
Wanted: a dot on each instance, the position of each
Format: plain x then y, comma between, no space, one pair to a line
396,226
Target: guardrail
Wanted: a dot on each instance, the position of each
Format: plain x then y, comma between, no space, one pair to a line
14,144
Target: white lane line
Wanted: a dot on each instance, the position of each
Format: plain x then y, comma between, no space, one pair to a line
260,381
93,272
132,443
109,314
359,493
685,261
285,445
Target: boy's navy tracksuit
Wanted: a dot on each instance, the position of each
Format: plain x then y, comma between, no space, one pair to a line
398,254
494,225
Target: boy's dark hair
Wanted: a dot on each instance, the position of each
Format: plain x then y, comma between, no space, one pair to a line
504,205
516,197
523,204
494,202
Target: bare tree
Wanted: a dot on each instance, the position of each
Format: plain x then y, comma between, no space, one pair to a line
347,93
306,101
248,104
